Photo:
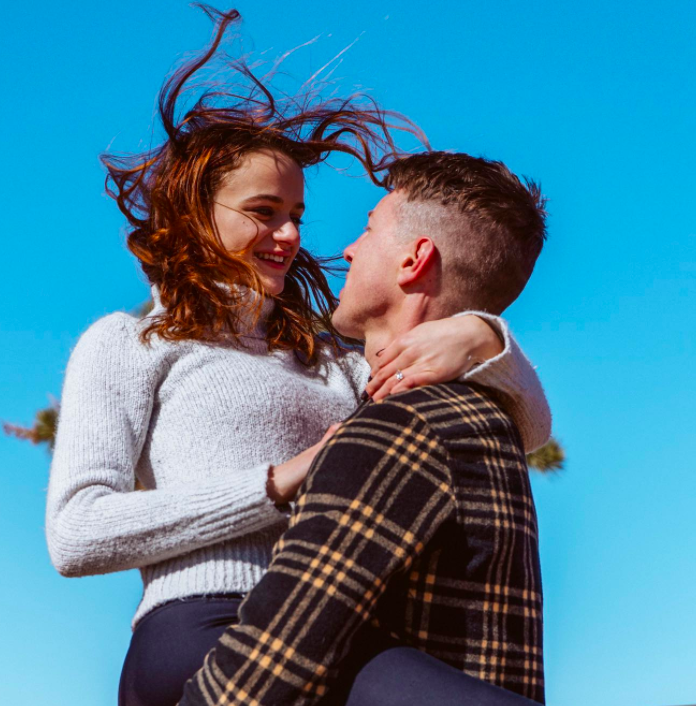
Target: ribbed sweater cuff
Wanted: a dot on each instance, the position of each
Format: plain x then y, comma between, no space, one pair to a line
238,501
512,374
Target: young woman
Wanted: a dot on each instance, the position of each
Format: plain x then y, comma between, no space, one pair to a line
217,401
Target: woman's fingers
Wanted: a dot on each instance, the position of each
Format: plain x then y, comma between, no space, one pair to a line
329,433
405,349
414,376
413,380
332,430
384,380
389,368
392,383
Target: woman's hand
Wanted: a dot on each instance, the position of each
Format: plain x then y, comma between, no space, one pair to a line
433,352
284,480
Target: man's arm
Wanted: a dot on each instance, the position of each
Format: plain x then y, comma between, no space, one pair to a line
376,495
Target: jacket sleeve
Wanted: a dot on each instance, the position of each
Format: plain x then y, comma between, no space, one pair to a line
360,518
96,522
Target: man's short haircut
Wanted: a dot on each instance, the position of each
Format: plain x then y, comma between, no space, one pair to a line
487,224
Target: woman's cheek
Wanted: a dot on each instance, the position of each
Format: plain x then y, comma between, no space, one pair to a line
237,230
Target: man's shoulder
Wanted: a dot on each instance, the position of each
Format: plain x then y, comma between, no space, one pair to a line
454,408
430,400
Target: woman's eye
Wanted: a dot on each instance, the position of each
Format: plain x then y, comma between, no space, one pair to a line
268,212
264,211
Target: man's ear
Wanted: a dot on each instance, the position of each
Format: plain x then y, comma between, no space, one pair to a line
417,262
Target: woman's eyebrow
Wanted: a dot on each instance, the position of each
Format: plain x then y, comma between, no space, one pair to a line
272,198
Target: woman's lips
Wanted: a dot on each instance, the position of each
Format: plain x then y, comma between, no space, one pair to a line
272,263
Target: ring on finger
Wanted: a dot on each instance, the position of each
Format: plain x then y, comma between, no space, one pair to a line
399,375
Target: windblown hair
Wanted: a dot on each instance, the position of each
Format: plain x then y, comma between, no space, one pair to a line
488,224
167,193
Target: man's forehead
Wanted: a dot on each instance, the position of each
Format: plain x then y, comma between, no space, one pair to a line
385,206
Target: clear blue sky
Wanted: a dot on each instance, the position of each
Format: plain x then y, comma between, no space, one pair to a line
595,99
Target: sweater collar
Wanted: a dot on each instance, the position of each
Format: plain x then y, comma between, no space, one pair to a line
246,317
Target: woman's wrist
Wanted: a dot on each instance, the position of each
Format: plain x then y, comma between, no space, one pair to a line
271,488
488,342
284,480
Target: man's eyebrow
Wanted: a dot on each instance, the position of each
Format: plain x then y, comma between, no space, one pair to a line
272,198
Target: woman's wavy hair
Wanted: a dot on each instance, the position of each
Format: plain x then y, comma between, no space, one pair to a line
166,194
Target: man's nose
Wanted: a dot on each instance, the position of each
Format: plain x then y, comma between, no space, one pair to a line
348,253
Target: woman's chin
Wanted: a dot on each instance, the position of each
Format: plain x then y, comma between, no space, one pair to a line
273,287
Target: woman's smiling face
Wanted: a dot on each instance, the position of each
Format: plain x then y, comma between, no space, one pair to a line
258,211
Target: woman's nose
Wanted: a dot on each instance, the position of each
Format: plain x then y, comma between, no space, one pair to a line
288,233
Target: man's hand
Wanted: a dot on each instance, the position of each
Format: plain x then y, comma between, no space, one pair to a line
433,352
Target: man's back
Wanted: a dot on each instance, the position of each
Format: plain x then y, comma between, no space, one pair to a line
473,597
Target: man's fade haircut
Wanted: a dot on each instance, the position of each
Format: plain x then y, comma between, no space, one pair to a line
488,225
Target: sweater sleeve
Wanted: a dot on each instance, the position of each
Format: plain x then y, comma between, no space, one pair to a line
511,374
96,522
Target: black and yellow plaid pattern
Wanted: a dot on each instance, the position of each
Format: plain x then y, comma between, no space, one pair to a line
417,517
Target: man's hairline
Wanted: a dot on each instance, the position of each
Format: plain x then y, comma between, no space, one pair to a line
432,203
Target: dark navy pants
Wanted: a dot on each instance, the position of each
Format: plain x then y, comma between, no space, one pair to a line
168,647
170,643
404,676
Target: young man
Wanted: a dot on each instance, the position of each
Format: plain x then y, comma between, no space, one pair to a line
416,525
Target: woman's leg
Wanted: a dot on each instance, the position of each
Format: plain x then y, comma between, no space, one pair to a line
404,676
168,647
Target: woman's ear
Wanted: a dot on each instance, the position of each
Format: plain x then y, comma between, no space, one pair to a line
417,261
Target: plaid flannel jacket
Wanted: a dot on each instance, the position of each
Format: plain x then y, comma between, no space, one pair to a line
416,517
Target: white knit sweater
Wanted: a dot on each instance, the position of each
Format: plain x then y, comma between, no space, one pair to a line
199,424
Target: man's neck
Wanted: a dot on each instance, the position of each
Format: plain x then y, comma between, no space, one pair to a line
379,333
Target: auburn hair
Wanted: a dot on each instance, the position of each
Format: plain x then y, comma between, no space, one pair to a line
166,195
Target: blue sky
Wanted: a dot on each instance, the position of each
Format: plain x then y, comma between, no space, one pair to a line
596,100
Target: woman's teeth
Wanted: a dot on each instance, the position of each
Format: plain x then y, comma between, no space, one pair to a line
268,256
